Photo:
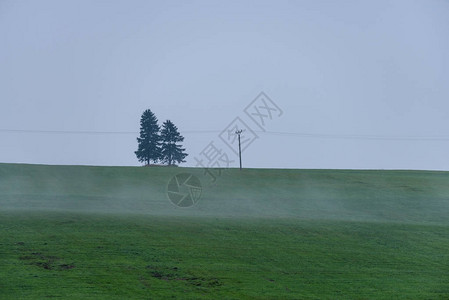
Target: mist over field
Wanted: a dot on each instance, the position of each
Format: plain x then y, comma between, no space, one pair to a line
113,233
393,196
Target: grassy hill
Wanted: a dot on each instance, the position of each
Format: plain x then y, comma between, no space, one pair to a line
398,196
111,232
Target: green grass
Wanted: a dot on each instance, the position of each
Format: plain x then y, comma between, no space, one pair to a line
76,232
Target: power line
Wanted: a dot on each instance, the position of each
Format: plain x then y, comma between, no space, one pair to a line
274,133
360,137
89,131
64,131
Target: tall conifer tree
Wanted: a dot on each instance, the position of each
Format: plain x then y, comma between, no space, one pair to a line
149,142
170,149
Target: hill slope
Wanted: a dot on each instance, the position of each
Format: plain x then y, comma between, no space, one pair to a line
77,232
399,196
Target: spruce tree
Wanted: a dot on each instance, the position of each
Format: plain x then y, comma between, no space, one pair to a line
149,142
170,150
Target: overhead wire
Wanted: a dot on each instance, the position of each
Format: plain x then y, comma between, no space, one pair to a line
274,133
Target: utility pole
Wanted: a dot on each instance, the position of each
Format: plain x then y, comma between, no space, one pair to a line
238,132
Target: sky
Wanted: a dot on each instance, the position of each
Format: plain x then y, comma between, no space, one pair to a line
349,84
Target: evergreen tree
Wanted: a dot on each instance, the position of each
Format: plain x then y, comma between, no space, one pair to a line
171,152
149,142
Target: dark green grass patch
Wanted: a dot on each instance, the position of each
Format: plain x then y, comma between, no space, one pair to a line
97,256
76,232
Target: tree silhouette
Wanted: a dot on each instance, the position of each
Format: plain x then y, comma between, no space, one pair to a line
149,141
170,150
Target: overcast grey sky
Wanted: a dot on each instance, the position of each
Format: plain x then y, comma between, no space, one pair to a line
362,84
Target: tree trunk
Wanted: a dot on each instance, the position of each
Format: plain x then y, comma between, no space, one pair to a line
169,155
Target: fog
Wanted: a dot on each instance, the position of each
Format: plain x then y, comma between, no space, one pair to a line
376,196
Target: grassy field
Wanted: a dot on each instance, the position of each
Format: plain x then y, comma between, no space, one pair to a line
76,232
